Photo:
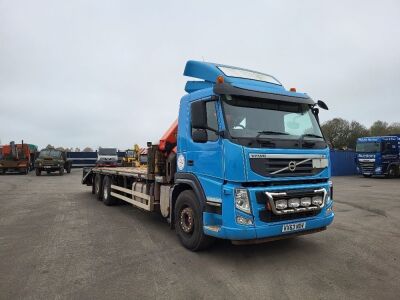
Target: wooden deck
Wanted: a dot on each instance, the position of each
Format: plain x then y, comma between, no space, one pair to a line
125,171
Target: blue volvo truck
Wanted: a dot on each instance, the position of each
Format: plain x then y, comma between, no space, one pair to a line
378,155
245,161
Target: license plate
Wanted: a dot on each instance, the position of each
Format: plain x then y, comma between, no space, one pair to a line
293,227
47,167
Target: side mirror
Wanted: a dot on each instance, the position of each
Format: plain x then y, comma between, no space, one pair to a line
322,104
199,136
199,115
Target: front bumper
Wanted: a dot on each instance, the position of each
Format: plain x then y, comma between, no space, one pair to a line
225,226
48,168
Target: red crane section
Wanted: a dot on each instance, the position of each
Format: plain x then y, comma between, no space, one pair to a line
168,140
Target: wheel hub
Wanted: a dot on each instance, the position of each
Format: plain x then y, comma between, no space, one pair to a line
186,220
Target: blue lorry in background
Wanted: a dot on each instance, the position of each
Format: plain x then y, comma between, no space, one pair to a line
378,155
246,161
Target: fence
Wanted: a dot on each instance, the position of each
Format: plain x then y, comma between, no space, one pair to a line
342,162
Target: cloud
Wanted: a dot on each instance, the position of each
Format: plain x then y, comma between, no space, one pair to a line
91,73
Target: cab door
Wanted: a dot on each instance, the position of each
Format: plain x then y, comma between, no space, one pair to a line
204,158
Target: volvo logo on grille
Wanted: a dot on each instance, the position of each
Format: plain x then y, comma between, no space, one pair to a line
292,166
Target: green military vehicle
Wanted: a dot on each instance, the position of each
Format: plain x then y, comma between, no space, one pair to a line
52,160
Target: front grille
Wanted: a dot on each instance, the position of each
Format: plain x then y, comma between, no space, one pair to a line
367,167
278,167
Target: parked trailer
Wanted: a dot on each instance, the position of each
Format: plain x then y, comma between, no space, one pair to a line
245,161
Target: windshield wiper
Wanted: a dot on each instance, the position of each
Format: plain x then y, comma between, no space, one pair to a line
267,132
311,135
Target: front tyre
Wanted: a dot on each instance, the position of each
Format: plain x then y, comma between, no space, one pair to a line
189,222
61,171
38,172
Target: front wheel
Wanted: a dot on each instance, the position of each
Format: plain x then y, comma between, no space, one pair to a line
69,168
61,171
38,172
189,222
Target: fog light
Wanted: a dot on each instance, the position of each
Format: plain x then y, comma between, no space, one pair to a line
281,204
294,203
305,201
378,169
329,210
243,221
317,200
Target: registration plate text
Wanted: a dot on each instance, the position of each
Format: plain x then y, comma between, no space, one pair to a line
293,227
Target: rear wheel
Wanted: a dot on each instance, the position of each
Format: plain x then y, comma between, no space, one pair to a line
107,198
189,222
38,172
98,186
393,172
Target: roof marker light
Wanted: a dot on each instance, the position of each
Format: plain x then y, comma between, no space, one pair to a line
293,90
220,79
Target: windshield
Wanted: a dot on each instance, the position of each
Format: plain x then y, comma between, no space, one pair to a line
108,151
50,153
368,147
249,118
129,153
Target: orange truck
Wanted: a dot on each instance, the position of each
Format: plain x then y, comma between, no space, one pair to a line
17,157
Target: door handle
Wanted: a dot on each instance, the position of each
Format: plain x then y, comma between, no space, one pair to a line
190,162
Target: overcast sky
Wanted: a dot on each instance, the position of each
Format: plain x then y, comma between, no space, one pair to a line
109,73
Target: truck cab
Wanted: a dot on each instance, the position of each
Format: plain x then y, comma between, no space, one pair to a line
52,160
107,157
378,155
254,154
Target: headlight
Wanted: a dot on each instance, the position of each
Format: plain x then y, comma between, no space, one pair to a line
305,201
242,201
329,196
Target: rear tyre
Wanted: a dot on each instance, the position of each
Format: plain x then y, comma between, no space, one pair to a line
392,172
189,222
93,185
107,198
98,187
38,172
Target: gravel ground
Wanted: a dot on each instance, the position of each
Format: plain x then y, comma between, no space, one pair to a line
58,241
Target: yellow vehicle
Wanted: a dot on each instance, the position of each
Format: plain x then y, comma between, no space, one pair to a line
131,158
